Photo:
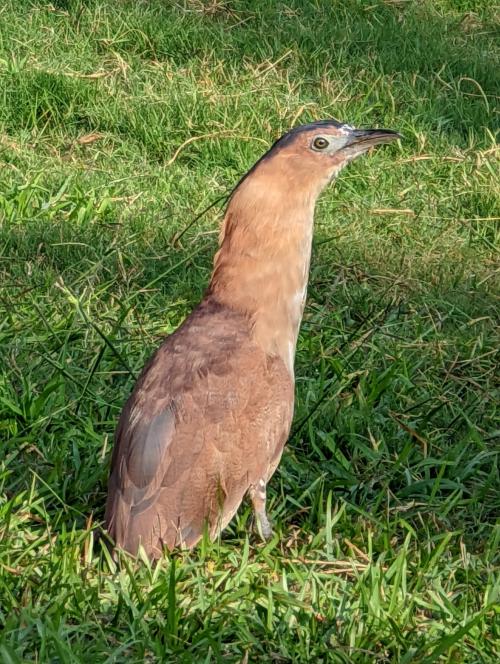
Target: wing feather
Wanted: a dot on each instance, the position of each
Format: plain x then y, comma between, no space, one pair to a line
208,416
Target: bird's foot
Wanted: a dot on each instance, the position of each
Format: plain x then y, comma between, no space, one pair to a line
264,526
258,496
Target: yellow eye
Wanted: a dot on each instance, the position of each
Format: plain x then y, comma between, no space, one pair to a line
320,143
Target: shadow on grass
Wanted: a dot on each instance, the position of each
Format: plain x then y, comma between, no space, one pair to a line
448,60
69,383
116,286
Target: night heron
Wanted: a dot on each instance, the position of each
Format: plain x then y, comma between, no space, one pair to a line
209,416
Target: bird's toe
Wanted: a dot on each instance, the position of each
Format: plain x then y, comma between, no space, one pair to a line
264,527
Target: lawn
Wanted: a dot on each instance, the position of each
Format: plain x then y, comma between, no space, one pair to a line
121,121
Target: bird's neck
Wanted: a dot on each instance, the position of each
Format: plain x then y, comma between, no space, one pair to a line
262,265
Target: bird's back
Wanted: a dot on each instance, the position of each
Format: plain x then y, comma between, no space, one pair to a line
207,419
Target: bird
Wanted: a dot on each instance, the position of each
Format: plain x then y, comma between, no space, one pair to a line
209,416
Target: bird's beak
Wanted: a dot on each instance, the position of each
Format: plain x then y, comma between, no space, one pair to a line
361,140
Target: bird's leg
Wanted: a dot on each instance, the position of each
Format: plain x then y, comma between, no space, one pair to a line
258,497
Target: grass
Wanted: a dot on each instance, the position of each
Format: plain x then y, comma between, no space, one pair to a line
119,123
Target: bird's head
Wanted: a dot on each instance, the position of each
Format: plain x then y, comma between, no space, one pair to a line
266,235
308,157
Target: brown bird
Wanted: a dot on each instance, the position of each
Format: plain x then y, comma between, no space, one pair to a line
210,414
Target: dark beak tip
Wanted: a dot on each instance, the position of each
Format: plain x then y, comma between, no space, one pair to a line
389,134
373,137
375,130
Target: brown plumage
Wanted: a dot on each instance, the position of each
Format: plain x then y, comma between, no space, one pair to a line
210,414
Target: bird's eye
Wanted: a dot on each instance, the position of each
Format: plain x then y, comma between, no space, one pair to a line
320,143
